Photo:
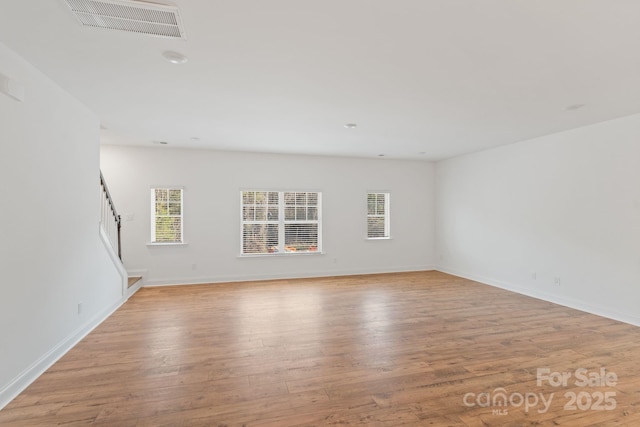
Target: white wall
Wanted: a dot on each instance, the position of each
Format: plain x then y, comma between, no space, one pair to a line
563,206
212,182
51,255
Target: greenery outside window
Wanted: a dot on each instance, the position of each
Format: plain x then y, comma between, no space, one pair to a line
166,215
378,216
278,222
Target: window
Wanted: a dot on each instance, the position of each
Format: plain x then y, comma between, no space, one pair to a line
378,216
276,222
166,215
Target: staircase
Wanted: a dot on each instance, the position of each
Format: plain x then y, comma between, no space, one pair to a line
110,221
110,227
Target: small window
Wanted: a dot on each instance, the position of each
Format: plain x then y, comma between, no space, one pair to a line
378,216
166,215
275,222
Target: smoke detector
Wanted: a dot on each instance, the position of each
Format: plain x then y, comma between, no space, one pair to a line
140,17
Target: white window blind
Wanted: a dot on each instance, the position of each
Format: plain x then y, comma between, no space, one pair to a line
280,222
378,215
166,215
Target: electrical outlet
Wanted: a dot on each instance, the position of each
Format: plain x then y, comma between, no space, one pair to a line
556,280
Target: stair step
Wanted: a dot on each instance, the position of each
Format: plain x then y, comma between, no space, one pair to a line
133,280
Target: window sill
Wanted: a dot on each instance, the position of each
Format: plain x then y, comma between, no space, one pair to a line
280,254
379,238
167,244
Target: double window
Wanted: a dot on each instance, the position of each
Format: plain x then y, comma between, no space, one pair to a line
166,217
378,216
276,222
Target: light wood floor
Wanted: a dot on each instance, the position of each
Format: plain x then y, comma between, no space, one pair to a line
379,350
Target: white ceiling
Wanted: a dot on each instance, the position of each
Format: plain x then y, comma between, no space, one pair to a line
423,79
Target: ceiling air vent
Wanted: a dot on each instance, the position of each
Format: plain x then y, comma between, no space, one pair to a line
127,15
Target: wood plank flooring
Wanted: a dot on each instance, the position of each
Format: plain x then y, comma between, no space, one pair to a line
409,349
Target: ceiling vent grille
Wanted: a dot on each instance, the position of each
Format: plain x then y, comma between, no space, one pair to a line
127,15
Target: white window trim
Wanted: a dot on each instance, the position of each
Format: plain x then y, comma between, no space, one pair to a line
281,214
281,254
387,216
152,216
167,243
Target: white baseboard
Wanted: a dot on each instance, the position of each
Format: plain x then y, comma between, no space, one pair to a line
29,375
283,276
598,310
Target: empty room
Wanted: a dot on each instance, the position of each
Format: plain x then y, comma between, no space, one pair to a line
320,213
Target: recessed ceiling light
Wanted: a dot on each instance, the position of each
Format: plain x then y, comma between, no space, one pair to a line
174,57
194,138
159,142
381,155
422,153
574,107
351,125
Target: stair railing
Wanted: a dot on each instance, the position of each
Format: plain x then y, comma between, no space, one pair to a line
110,221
